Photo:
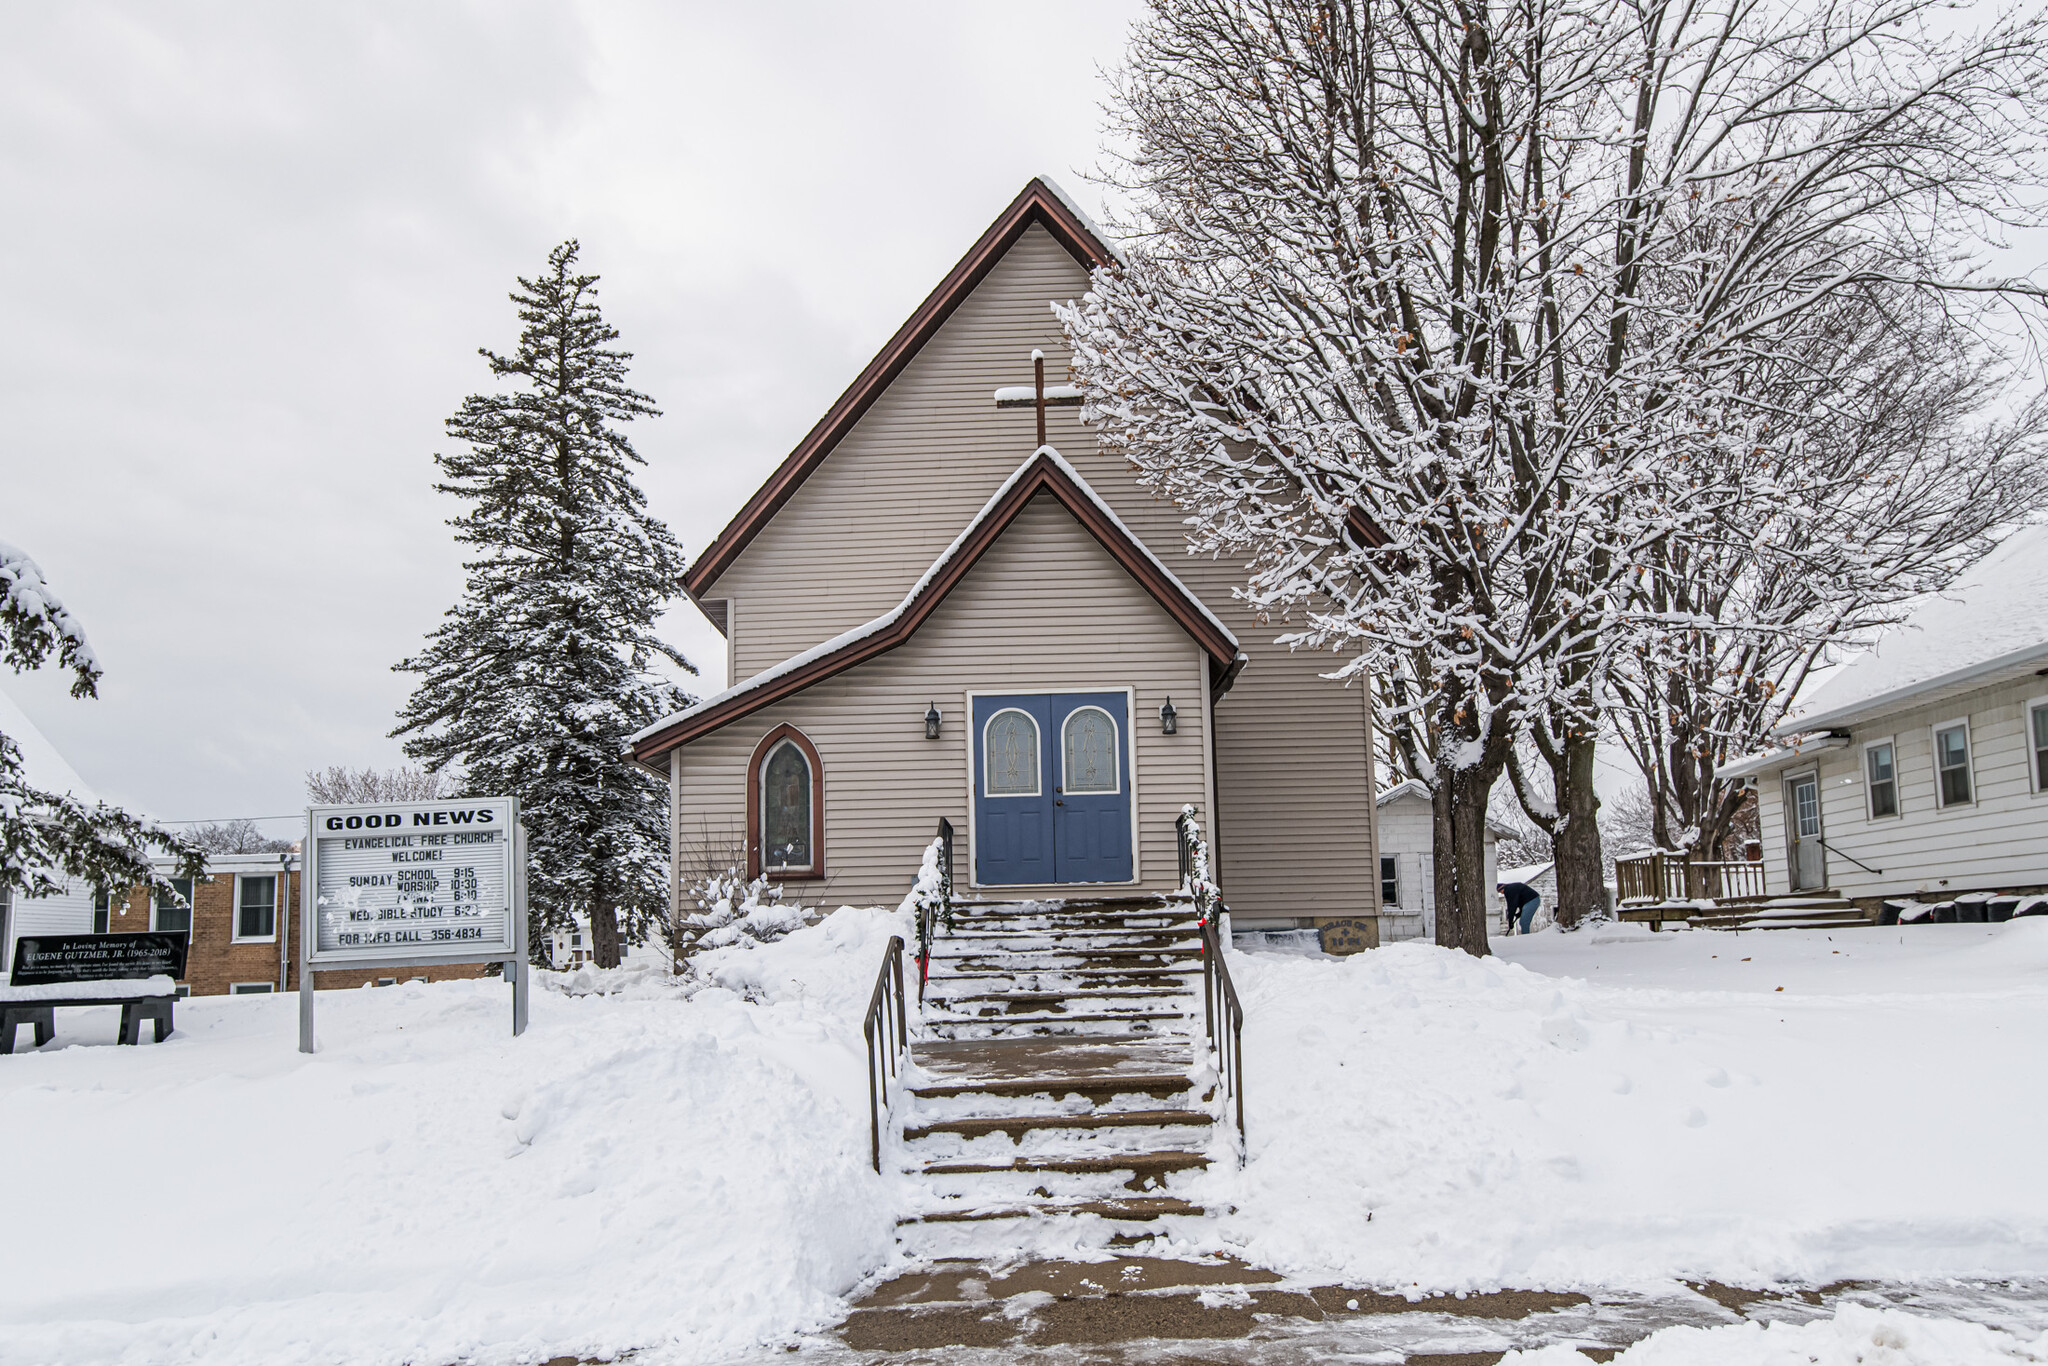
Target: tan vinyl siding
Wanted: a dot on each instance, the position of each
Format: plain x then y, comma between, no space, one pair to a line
1046,610
2000,840
1293,777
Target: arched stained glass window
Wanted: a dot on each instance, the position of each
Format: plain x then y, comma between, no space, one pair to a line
1010,755
1090,752
786,834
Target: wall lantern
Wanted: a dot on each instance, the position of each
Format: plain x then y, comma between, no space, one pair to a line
1169,719
931,721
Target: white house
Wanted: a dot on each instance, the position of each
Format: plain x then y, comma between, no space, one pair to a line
1921,766
1408,861
74,910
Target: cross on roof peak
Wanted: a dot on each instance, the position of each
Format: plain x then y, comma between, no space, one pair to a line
1038,396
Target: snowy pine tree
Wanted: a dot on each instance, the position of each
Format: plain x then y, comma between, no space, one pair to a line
46,836
547,664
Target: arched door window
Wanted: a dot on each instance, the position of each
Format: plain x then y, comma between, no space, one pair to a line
1010,754
787,811
1089,752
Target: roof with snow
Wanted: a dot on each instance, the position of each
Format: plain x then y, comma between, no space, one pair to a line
42,765
1047,471
1988,628
1414,788
1041,203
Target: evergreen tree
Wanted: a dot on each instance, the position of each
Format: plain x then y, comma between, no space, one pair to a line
542,671
48,836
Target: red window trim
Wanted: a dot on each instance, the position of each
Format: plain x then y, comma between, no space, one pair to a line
754,833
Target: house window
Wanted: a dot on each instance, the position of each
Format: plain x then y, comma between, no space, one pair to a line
1952,763
251,988
2039,736
174,913
787,807
1390,880
256,908
102,903
1884,779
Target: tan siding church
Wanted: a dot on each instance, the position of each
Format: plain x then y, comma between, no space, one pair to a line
920,550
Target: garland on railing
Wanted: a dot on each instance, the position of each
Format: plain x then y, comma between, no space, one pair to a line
931,899
1195,882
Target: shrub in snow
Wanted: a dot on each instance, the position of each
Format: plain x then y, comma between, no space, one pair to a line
736,911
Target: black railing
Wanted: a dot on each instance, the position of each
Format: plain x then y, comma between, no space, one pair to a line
888,1032
934,905
1221,1010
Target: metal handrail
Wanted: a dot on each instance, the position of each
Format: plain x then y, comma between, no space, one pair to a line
1219,993
1876,872
888,1035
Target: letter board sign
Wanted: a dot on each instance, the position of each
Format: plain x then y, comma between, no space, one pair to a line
420,882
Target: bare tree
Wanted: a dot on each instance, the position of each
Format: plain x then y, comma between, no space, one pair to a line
1441,314
240,836
339,786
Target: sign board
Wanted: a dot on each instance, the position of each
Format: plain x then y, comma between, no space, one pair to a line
413,884
42,960
422,881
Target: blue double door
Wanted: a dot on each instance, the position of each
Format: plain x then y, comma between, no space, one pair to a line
1052,788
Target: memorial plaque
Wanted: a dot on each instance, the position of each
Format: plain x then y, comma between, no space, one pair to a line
1348,936
414,881
42,960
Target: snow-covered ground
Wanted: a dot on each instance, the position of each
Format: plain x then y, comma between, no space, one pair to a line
637,1170
1617,1107
689,1176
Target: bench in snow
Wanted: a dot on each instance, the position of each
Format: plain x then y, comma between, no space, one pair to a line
149,998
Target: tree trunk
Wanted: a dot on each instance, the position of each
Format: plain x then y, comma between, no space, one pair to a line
604,928
1575,844
1463,900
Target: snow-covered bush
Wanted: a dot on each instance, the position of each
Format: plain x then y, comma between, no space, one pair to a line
737,911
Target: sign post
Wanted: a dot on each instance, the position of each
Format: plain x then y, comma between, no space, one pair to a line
413,884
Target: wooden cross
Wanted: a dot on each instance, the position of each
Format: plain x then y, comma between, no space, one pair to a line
1038,396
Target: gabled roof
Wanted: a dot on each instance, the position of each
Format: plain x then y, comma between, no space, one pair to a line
1415,789
1042,203
1045,472
1988,628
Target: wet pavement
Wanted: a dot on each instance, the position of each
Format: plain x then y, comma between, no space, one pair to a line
1184,1313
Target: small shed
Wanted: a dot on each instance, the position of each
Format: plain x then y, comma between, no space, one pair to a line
1408,861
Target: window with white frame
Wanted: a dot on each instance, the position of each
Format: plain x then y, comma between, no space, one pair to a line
256,907
1390,880
174,913
251,988
2037,738
1881,778
1952,763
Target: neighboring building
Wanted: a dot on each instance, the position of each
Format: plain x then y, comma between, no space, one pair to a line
921,551
1921,767
1408,862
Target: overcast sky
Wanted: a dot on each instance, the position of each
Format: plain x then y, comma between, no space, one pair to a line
252,249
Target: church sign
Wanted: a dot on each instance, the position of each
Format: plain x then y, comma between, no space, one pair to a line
413,884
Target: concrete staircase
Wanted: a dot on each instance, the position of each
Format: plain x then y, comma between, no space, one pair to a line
1057,1072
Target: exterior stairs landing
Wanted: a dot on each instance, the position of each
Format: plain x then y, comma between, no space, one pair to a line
1057,1072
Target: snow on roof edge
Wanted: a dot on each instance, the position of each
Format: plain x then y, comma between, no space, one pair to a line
1073,207
1893,698
924,581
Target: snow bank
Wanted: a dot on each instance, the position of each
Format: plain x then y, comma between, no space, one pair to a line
112,989
1855,1336
1654,1108
643,1169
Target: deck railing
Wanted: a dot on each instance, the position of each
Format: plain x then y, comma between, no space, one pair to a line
1673,877
1222,1012
888,1032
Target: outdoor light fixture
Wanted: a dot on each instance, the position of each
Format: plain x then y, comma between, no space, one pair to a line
1169,719
931,721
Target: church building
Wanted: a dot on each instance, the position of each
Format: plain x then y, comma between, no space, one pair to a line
947,602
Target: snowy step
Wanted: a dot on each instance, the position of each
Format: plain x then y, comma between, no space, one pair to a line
1082,976
1057,1180
1016,1126
1143,1208
1128,994
997,1019
1101,1090
1122,1162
